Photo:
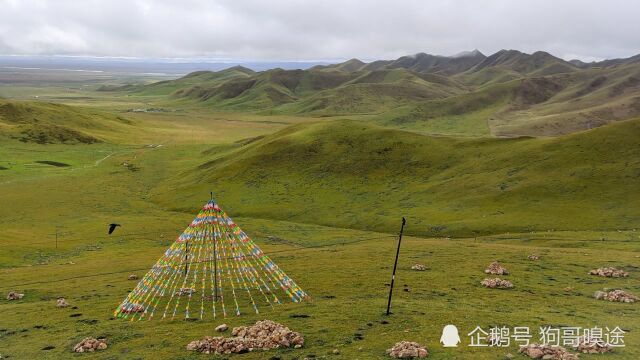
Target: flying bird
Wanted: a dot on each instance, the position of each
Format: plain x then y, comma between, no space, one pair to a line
113,227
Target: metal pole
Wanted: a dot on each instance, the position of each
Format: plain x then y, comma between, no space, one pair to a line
395,265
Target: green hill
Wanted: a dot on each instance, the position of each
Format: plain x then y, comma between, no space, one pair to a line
506,94
352,174
198,78
46,123
530,106
540,62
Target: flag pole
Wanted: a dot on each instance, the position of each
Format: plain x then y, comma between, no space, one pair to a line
215,264
395,265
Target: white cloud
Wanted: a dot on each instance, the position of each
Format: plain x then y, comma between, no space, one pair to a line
328,29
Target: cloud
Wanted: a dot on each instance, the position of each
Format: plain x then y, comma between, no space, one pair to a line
327,29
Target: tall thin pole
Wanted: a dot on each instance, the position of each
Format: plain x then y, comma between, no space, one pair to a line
215,270
186,256
395,265
215,262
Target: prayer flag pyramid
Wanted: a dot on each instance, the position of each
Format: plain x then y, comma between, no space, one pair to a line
211,269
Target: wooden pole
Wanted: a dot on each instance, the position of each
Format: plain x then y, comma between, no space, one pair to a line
395,265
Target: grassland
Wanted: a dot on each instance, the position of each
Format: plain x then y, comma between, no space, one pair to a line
515,185
324,196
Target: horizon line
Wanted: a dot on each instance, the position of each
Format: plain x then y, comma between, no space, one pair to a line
218,59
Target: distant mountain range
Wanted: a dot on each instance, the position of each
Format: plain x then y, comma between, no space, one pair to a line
138,66
509,93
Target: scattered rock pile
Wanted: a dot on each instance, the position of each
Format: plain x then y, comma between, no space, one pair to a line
592,346
407,350
496,269
13,295
62,303
533,257
497,283
609,272
133,277
547,352
269,334
90,345
616,296
264,335
419,267
219,345
185,291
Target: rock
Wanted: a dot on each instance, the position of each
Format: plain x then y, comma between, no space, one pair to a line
547,352
90,344
133,277
599,295
335,352
533,257
193,346
222,328
419,267
185,291
592,346
496,283
609,272
616,296
496,269
407,350
263,335
14,295
62,303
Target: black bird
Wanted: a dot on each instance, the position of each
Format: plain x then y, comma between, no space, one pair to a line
113,227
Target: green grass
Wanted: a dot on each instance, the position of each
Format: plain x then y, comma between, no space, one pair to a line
334,191
445,186
347,282
46,123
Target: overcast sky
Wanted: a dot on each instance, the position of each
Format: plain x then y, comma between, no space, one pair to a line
317,30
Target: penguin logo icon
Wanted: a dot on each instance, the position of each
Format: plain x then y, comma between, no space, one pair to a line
450,337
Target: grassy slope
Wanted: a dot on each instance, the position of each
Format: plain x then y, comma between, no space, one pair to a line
511,94
198,78
585,100
313,173
34,121
347,282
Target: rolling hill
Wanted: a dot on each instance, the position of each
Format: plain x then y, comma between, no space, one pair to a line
445,186
505,94
48,123
197,78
